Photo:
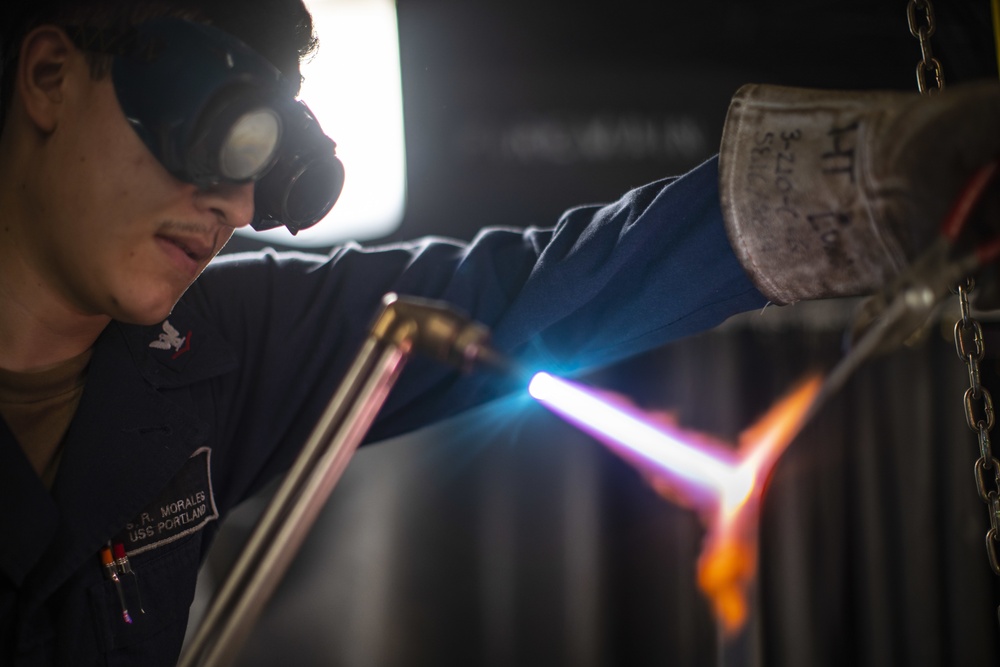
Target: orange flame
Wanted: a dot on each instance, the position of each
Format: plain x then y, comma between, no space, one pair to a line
724,485
728,563
727,566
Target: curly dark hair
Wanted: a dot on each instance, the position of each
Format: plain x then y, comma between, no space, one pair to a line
280,30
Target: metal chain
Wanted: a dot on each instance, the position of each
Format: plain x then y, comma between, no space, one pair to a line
923,32
969,344
980,417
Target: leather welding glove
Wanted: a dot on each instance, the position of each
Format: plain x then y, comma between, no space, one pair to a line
829,193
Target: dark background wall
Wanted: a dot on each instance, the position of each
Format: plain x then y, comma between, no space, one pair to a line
516,110
504,537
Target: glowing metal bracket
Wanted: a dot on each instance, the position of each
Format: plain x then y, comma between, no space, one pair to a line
405,326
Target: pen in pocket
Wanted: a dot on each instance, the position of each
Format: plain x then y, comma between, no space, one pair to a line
112,573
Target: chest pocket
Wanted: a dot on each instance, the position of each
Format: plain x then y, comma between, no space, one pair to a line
158,599
163,545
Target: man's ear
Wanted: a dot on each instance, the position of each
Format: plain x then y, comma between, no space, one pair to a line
42,71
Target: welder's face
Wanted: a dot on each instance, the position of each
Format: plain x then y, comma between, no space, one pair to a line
118,233
148,171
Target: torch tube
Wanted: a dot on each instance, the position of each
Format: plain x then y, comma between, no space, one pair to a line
404,325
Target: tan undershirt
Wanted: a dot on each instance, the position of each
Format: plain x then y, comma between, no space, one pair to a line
38,408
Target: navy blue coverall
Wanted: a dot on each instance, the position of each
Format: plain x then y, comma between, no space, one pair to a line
180,422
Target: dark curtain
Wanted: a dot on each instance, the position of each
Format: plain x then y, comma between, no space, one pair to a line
505,537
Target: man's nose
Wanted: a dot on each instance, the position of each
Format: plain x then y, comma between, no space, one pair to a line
232,203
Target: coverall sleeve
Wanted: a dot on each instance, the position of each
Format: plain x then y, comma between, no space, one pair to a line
604,283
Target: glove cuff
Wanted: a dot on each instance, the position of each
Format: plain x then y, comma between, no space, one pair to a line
800,195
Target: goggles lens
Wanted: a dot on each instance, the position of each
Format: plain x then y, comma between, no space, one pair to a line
251,145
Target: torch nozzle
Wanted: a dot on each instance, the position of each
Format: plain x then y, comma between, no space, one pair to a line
443,333
497,362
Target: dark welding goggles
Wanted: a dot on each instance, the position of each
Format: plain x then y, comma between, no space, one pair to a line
212,110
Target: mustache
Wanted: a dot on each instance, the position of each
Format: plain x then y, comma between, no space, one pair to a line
198,228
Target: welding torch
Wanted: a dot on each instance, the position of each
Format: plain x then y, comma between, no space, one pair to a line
405,326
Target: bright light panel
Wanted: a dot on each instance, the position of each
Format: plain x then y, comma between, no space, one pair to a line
353,86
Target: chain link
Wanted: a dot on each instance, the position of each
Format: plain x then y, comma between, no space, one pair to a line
928,64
